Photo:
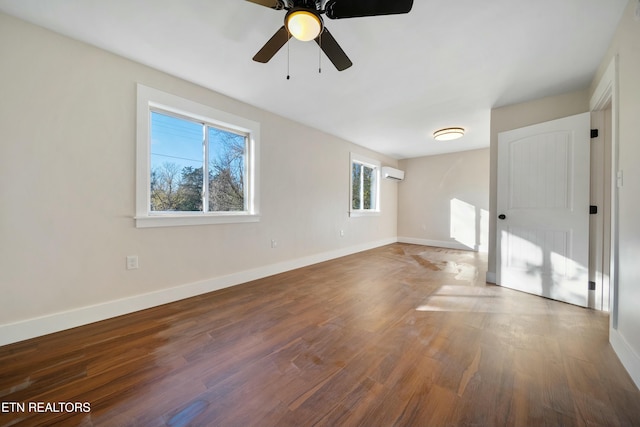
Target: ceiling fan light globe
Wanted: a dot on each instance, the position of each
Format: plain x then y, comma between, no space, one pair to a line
303,25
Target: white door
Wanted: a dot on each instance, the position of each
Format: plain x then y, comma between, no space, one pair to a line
542,244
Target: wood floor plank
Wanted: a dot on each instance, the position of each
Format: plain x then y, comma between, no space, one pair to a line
402,335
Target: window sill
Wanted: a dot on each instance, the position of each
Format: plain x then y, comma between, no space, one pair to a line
186,220
364,213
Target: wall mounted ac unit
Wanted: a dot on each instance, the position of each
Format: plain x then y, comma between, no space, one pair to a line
392,173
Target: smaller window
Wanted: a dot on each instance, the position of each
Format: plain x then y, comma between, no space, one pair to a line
365,186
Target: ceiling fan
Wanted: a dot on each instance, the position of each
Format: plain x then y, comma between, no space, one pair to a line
304,22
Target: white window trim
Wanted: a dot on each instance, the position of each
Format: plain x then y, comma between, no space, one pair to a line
372,163
149,98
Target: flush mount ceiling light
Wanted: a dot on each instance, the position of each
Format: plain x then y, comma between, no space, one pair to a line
303,24
448,134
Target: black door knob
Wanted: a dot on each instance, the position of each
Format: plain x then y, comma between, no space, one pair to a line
502,216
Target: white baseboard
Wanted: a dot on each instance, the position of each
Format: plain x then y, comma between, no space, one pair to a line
35,327
436,243
629,358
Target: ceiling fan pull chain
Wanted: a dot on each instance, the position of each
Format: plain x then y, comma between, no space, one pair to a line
320,54
288,42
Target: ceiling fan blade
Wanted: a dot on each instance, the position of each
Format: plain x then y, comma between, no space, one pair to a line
271,47
338,9
273,4
332,49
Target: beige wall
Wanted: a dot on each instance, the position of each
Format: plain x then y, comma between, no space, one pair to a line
444,200
626,46
517,116
67,159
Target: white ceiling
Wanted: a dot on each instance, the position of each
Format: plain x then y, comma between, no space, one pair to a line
446,63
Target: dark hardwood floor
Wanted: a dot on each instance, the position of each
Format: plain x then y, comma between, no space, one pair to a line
401,335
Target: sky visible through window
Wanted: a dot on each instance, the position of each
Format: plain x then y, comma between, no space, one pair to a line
179,141
175,140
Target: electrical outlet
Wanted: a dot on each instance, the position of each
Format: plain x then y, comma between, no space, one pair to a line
132,262
341,233
274,243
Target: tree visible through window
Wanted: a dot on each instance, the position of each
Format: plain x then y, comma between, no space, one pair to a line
183,153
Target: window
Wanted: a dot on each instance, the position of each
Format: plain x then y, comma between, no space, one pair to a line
183,153
196,165
365,188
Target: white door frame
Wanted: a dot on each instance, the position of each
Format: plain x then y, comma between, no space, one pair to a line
607,93
600,196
